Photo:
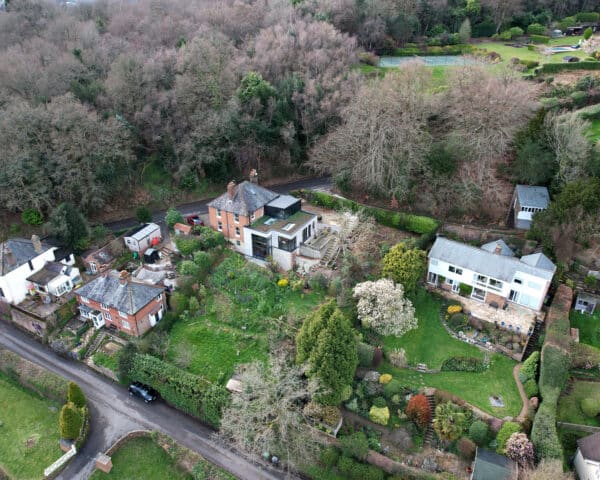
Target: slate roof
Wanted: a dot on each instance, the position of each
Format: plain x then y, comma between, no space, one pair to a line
530,196
18,251
49,272
499,267
505,249
590,447
491,466
247,198
129,297
539,260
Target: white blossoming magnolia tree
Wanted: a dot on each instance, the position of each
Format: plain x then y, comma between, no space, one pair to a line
383,307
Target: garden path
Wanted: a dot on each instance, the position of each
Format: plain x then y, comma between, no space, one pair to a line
524,398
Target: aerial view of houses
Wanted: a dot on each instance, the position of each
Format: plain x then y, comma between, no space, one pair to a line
326,239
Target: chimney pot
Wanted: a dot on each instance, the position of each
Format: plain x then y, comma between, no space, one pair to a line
254,176
37,244
231,189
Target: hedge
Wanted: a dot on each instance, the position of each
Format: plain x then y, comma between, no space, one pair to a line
560,67
463,364
507,429
190,393
402,221
411,51
529,368
70,421
544,435
365,354
554,369
540,39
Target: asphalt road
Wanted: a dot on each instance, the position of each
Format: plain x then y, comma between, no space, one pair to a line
200,206
115,413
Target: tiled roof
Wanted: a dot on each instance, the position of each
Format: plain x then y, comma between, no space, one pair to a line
590,447
504,248
18,251
530,196
129,297
499,267
247,198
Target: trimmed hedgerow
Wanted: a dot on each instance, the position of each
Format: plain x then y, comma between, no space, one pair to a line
544,435
463,364
560,67
554,370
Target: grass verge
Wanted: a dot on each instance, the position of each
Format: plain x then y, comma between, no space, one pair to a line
569,406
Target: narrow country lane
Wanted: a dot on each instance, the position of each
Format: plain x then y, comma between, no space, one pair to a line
115,413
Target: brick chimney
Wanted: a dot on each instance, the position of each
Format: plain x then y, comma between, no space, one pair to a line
254,176
231,189
498,249
37,244
123,277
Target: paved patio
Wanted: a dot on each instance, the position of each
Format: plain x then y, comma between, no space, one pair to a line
514,317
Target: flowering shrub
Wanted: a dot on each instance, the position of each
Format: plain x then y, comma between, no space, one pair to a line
385,379
418,410
452,309
379,415
520,449
283,282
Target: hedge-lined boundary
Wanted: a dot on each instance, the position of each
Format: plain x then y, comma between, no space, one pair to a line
433,50
419,224
554,372
561,67
33,377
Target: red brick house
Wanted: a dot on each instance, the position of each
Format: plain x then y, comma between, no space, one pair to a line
116,300
240,206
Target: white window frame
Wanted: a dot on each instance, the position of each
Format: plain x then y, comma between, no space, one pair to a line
253,217
122,314
218,213
236,218
104,306
237,231
125,324
107,316
220,226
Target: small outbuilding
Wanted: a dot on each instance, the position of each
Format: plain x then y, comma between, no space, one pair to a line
587,302
181,229
151,255
527,200
145,236
489,465
587,457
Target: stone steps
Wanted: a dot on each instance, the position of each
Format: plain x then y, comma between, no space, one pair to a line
430,432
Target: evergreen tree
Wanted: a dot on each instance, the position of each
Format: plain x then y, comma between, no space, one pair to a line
449,421
404,265
75,395
68,225
310,330
334,359
70,421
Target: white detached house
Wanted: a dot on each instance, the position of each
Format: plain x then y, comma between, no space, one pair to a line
20,259
493,273
587,458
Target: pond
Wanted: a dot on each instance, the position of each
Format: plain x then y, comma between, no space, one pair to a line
428,60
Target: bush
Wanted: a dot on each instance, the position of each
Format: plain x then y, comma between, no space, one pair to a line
32,216
463,364
584,356
379,415
385,379
143,214
452,309
559,67
465,290
329,457
535,29
504,434
579,98
479,432
188,267
516,31
419,410
283,282
587,17
379,402
590,407
587,33
531,388
466,448
529,368
187,246
540,39
355,446
70,421
75,395
590,281
393,388
172,217
365,354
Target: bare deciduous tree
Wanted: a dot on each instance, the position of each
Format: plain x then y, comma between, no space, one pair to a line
502,10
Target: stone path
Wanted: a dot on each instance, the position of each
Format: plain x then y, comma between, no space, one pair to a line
524,398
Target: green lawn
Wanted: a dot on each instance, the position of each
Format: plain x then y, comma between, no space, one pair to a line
431,344
568,440
107,361
594,131
28,432
142,459
588,325
524,53
244,310
569,406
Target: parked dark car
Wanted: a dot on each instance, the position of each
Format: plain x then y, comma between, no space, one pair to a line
194,220
145,392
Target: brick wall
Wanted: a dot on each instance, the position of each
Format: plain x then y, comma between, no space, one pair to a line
228,221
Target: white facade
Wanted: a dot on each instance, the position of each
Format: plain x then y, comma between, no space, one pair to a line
142,239
284,258
524,289
14,285
586,469
61,284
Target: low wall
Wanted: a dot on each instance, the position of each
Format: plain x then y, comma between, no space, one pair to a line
28,321
577,426
121,441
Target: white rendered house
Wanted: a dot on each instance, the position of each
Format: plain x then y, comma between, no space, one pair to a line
587,458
